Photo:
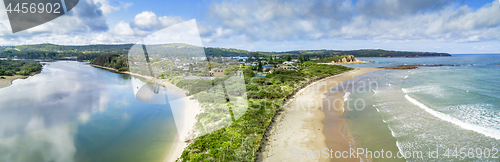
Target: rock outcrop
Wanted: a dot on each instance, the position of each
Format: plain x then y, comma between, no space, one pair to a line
414,66
350,59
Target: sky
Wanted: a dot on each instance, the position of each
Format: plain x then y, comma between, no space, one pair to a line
450,26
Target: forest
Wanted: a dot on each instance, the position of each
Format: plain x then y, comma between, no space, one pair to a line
58,52
114,61
89,52
15,67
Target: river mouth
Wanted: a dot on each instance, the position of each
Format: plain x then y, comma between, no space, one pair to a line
74,112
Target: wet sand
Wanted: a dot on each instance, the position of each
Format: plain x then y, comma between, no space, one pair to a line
299,133
185,117
9,79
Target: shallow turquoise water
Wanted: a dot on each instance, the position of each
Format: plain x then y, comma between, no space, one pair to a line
74,112
430,108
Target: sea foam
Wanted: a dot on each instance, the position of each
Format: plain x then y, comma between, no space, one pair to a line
493,133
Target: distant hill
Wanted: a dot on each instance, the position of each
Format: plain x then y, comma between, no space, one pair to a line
88,52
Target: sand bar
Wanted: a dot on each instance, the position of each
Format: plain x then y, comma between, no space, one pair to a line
300,126
9,79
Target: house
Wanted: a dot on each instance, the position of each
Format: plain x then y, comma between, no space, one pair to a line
217,72
267,68
288,67
184,68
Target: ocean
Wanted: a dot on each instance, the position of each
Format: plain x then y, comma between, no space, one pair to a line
446,113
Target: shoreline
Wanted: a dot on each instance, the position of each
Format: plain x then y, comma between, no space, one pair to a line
300,126
10,79
190,109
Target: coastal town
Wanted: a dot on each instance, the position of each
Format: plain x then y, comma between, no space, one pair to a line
211,67
201,67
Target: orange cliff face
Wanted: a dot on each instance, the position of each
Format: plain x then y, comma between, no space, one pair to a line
350,59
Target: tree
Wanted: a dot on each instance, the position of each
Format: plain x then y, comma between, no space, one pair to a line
231,70
259,67
288,58
248,73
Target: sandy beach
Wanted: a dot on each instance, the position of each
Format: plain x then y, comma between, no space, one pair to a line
299,128
185,111
9,79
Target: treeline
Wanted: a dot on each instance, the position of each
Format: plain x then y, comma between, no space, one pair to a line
15,67
384,53
114,61
58,52
329,58
214,52
241,138
88,52
360,53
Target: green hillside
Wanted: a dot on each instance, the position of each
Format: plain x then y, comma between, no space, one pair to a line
89,52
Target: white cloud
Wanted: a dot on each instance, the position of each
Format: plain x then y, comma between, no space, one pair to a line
105,7
279,21
125,5
123,28
166,21
146,20
385,19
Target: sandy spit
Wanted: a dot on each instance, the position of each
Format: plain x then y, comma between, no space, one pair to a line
300,126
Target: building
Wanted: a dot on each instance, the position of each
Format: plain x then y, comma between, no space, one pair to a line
217,72
267,69
185,68
287,67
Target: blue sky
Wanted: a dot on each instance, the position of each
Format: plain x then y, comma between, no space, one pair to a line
452,26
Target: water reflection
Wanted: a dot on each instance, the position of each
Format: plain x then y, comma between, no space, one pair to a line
74,112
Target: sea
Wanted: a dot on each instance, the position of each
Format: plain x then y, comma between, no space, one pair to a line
444,113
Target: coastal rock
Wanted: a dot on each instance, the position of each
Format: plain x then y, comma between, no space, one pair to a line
350,59
414,66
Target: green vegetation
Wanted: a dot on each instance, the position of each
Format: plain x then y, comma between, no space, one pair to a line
213,52
14,67
329,58
240,139
114,61
51,51
89,52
